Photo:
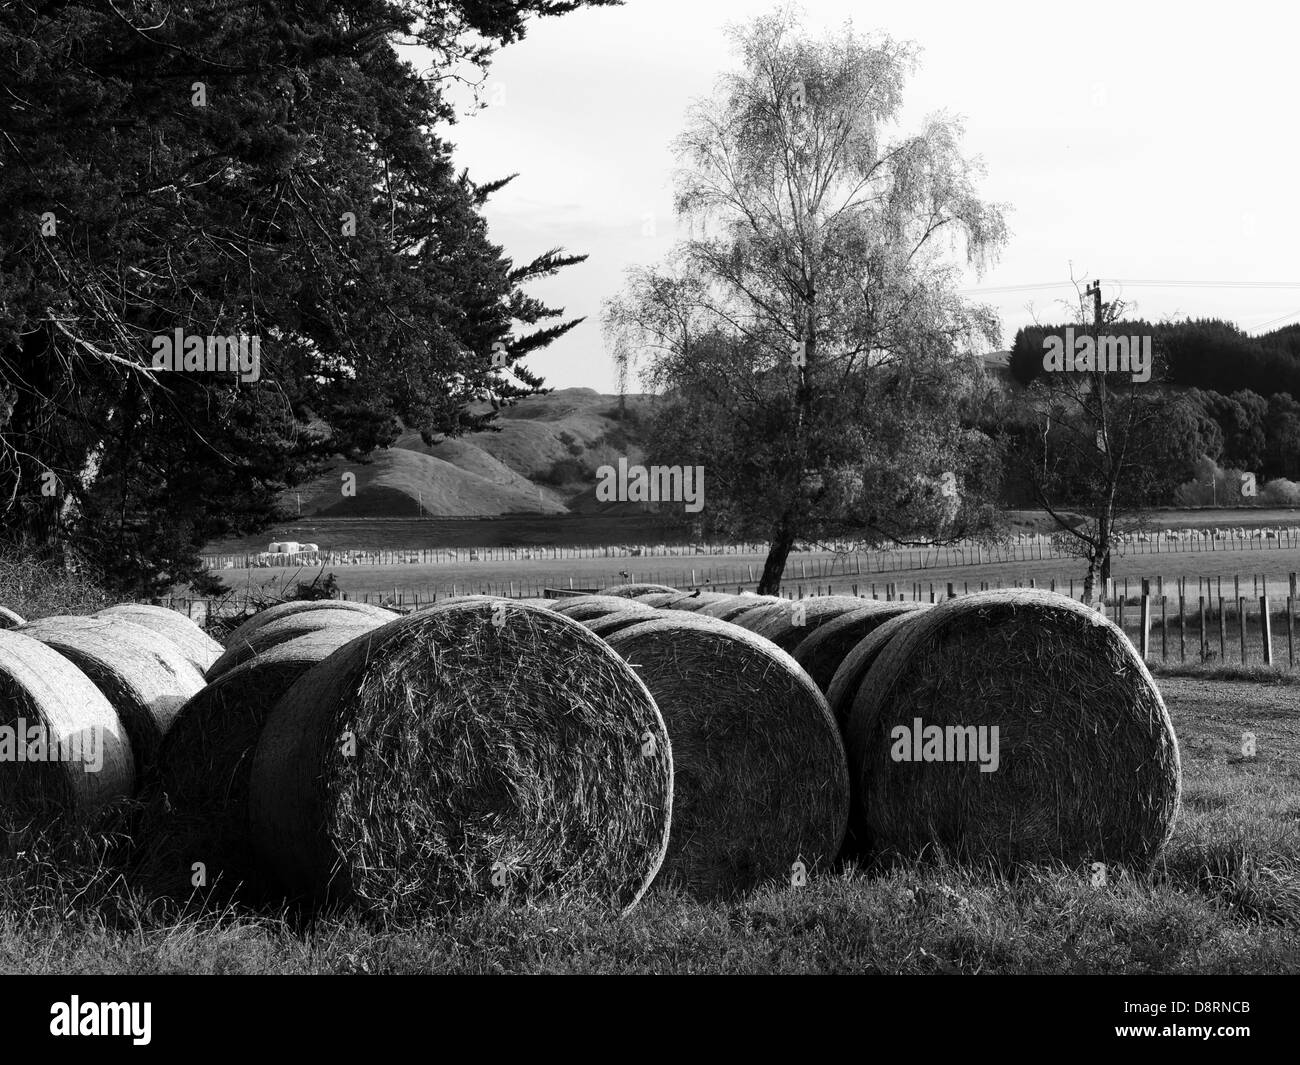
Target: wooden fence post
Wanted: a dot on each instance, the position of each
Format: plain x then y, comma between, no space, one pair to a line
1266,630
1223,636
1241,626
1145,638
1290,630
1182,627
1203,649
1164,628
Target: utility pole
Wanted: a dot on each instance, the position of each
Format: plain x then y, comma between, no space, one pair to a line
1094,290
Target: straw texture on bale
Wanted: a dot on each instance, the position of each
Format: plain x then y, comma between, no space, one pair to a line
582,607
761,780
698,601
605,624
206,764
848,675
195,644
518,760
289,627
8,619
761,611
146,680
823,649
788,625
63,715
734,605
1088,767
305,606
659,599
631,591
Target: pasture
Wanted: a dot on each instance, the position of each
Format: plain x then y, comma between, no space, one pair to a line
811,571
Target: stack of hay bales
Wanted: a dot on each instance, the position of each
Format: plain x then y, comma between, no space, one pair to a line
733,606
787,623
823,650
761,781
847,678
1085,768
444,759
631,591
144,678
50,709
605,624
195,644
206,764
698,600
584,607
304,606
260,634
659,599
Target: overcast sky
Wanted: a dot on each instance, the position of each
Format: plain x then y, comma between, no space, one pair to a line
1134,140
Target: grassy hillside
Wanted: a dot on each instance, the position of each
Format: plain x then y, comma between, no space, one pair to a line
542,461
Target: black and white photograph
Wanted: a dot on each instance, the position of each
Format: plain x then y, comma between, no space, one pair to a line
649,487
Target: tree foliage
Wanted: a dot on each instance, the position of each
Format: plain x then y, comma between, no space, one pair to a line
201,167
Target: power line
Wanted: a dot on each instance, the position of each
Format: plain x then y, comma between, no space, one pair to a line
1273,321
1204,284
1137,283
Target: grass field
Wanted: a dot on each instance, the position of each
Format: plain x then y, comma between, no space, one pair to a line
613,525
812,571
1224,899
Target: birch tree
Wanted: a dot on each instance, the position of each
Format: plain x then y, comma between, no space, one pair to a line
806,335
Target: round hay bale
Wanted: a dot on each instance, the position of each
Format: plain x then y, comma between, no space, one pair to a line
605,624
631,591
824,648
443,760
698,601
305,606
761,780
848,675
195,644
50,709
145,679
733,606
206,764
1085,766
582,607
286,628
8,619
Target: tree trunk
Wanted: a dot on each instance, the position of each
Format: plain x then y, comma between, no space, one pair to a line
1090,580
774,566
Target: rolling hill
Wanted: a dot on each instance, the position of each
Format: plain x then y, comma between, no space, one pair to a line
542,461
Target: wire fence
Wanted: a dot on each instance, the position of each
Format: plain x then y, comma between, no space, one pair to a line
846,556
1210,620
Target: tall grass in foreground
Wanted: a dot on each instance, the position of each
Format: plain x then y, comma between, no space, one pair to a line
38,589
1224,898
